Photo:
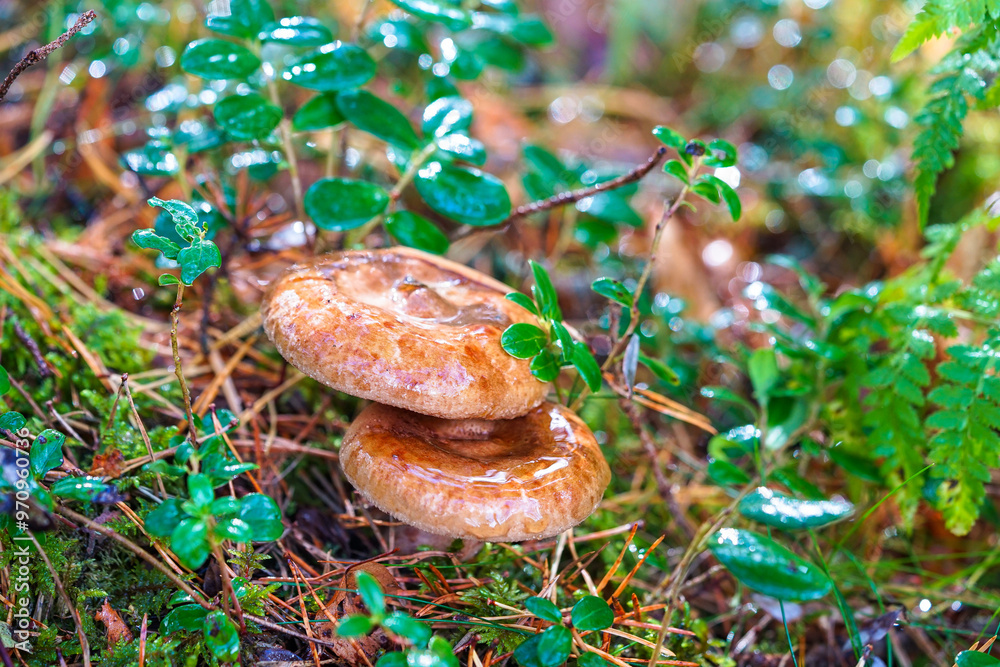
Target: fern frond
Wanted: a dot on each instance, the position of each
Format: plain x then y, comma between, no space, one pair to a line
941,16
967,442
963,74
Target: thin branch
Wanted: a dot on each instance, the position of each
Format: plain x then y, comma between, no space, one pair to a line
264,623
573,196
36,56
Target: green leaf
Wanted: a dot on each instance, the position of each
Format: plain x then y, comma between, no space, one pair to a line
592,613
233,529
584,361
263,515
87,489
545,293
463,148
416,632
975,659
465,195
660,369
296,31
371,593
706,189
247,117
531,30
780,511
376,116
12,421
613,290
200,490
416,231
224,506
392,659
561,335
669,137
154,159
190,542
441,649
239,18
4,382
725,473
676,169
147,238
318,113
198,258
523,340
338,204
356,625
46,452
589,659
545,366
543,609
221,636
548,649
167,279
164,519
437,11
184,217
332,67
187,617
728,195
767,567
721,153
446,115
198,137
923,28
524,301
763,370
218,59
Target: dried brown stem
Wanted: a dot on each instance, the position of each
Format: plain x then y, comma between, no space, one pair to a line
31,345
185,392
573,196
38,55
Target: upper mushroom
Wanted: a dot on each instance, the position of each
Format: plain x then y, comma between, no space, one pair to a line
498,481
402,327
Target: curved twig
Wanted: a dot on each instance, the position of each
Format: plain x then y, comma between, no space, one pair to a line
38,55
573,196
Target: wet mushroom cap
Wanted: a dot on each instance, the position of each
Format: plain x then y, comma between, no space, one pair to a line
406,328
498,481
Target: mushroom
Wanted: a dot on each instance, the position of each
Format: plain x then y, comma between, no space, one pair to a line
406,328
505,480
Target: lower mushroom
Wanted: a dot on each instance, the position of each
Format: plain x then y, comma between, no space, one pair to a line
498,481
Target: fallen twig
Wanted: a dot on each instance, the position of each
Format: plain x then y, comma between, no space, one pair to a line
38,55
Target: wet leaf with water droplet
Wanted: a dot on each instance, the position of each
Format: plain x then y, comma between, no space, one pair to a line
218,59
780,511
338,204
332,67
468,196
767,567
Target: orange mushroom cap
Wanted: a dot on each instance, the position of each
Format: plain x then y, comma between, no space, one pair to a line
498,481
406,328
